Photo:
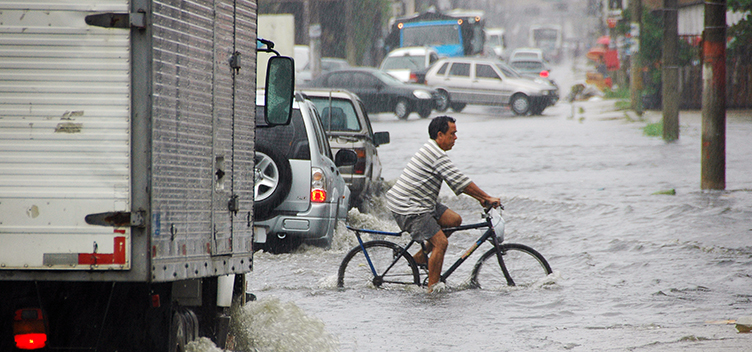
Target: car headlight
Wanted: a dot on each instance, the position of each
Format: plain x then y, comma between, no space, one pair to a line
422,94
543,81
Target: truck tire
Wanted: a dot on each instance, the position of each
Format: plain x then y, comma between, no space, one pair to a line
273,178
183,329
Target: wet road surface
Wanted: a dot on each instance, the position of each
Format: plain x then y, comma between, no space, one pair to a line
635,269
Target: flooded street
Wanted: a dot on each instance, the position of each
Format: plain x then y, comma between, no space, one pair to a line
635,269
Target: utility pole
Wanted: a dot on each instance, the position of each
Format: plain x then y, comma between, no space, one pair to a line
635,80
350,32
670,71
713,157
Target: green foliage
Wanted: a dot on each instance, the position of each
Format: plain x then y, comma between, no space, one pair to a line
370,16
623,105
651,50
740,33
668,192
619,93
740,5
653,129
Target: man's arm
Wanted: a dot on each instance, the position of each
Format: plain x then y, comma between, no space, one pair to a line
474,191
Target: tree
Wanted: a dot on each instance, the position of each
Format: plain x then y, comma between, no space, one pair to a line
741,33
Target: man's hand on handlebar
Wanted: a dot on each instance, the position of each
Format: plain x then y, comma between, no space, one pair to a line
492,202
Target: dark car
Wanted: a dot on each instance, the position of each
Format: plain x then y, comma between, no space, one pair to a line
380,92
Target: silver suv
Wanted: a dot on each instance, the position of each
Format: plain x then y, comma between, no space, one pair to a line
299,192
348,127
490,82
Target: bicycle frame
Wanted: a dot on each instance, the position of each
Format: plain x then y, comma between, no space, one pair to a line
365,252
489,233
494,240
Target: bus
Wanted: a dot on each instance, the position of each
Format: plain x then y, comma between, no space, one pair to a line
454,33
548,38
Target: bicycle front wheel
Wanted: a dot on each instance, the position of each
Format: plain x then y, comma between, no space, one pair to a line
525,267
392,269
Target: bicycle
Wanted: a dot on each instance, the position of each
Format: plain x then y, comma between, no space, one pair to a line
387,264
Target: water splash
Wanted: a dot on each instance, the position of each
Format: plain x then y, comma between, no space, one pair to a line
203,344
272,325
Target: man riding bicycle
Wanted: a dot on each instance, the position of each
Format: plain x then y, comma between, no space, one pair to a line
413,200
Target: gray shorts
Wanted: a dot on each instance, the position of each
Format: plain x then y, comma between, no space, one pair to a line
421,226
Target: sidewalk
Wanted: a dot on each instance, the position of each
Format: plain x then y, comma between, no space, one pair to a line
609,109
612,109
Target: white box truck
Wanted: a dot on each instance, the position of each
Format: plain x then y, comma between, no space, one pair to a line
126,170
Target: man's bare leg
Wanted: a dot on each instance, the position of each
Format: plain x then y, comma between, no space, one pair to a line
436,261
449,219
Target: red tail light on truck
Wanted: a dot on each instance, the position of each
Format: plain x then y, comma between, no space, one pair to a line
29,329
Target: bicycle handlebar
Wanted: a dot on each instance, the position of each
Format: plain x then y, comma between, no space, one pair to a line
487,206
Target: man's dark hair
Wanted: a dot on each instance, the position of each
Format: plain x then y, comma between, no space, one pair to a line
439,124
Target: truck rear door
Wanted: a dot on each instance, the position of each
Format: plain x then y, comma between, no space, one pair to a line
64,135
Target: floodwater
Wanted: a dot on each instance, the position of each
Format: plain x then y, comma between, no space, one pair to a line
635,269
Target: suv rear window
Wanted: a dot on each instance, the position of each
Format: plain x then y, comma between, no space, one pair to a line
343,115
291,140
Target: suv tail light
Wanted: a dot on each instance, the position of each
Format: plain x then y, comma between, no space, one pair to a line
29,329
360,165
318,186
544,74
413,77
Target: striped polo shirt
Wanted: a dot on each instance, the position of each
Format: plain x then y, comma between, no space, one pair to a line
417,189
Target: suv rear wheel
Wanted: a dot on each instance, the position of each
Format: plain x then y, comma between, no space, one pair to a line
273,178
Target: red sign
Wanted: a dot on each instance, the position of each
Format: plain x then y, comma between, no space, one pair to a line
612,60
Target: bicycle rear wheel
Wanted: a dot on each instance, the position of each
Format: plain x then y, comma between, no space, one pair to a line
392,269
525,266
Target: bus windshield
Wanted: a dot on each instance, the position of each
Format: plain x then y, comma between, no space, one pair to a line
431,35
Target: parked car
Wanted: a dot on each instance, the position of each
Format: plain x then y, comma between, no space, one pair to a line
534,68
526,53
381,92
347,124
486,81
299,193
410,63
327,64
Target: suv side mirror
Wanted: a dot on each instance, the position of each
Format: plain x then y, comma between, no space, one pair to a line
345,157
280,83
380,138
